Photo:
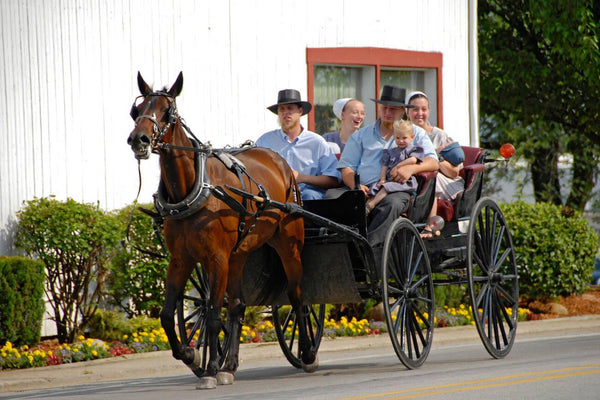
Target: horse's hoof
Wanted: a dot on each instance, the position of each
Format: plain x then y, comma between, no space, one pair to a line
207,382
196,361
224,378
311,367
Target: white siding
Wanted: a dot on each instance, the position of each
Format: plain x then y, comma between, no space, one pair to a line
69,77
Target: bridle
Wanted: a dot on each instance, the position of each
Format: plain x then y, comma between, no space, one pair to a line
202,187
172,117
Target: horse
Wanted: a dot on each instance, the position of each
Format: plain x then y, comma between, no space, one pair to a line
221,228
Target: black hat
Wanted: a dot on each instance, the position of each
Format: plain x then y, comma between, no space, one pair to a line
290,96
393,96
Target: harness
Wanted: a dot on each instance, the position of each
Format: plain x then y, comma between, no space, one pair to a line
202,188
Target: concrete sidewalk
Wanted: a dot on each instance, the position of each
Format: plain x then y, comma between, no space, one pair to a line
161,363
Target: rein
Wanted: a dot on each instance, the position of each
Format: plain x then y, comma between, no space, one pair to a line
156,224
202,188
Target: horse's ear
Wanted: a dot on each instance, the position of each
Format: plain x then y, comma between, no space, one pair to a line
177,86
145,90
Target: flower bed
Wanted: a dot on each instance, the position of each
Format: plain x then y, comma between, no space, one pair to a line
141,342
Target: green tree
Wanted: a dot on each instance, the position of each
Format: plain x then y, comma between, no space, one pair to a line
138,272
539,65
74,241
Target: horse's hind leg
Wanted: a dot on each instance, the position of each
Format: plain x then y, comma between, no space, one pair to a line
218,283
288,244
237,309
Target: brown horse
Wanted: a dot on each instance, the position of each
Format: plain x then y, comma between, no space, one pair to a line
210,232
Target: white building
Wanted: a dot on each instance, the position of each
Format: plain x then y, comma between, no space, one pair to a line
69,78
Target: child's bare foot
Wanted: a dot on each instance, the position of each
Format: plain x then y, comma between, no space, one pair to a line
428,233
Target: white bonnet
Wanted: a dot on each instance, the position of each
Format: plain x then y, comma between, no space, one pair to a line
339,105
414,93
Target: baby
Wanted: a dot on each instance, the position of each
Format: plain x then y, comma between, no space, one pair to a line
404,154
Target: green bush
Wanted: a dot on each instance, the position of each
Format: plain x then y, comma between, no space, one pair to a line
137,279
21,300
554,251
110,325
74,241
451,296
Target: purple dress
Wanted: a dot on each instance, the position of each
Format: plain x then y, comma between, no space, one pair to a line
391,157
334,137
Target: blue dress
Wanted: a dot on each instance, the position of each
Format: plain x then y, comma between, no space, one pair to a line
391,157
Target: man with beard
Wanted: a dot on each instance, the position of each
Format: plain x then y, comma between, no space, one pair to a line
362,156
313,162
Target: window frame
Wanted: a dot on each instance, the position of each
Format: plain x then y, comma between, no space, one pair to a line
378,58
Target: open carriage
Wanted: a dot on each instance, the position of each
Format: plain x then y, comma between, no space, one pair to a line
475,249
238,234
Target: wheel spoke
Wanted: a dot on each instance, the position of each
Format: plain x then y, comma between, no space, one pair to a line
408,293
509,299
502,260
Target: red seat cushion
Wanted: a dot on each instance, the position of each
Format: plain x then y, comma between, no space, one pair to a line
445,209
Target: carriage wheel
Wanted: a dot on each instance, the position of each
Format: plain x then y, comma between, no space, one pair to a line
191,320
286,328
408,293
493,278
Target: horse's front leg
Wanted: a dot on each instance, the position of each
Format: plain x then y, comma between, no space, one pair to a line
175,287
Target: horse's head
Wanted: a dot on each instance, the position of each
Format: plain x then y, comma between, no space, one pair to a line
153,116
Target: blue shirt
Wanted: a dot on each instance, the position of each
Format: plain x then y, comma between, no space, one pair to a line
308,154
364,149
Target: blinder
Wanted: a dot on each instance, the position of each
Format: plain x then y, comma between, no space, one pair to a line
134,112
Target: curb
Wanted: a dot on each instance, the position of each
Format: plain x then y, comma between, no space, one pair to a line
161,363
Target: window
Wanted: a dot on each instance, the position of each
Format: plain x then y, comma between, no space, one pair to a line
335,73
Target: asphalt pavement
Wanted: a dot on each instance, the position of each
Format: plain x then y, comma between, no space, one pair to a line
161,363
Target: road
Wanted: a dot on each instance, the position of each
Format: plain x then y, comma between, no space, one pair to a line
549,366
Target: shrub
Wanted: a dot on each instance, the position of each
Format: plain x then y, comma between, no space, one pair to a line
112,325
451,295
108,325
137,280
74,241
554,251
21,300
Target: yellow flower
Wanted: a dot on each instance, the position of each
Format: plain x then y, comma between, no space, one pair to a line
81,337
94,353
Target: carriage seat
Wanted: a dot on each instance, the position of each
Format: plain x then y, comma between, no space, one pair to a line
420,204
472,173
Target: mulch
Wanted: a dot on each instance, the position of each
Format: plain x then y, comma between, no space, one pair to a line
586,304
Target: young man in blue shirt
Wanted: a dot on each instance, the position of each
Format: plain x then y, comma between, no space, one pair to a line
313,162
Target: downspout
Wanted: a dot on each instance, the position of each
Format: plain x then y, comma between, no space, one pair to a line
473,76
